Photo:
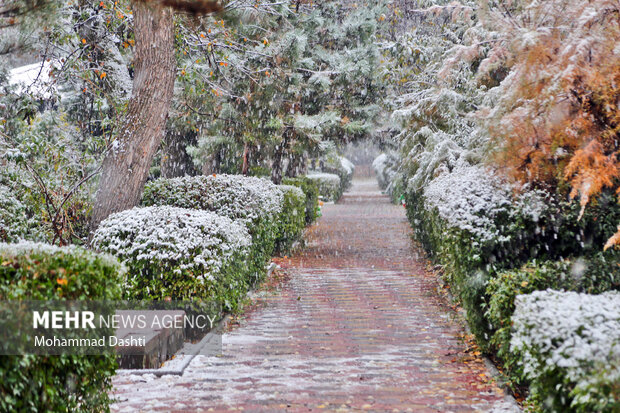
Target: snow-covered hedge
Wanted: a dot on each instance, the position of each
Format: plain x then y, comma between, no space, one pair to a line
257,202
178,253
293,218
564,339
235,196
332,162
329,185
470,199
472,224
33,271
342,167
593,275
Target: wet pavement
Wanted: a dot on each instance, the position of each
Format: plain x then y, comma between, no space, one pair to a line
358,326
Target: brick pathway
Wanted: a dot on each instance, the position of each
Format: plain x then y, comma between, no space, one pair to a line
358,327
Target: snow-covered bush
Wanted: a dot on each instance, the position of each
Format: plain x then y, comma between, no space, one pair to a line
388,177
329,185
311,192
563,339
345,170
348,168
380,167
254,201
178,253
600,392
292,219
470,198
347,165
41,272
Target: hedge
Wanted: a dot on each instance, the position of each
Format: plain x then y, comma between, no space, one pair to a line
311,191
384,170
30,271
292,218
179,254
329,185
255,201
495,241
569,346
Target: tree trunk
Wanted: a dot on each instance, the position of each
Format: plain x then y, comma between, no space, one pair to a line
126,166
175,160
245,167
293,166
276,166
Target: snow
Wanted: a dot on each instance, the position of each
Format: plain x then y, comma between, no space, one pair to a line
384,166
325,178
329,184
30,247
347,165
298,193
379,163
25,76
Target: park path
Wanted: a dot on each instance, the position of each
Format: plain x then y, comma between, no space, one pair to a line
359,326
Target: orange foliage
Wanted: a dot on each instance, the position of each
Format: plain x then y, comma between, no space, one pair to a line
558,119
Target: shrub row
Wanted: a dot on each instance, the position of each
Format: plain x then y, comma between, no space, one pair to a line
383,166
254,201
292,219
30,271
329,185
341,166
495,245
205,237
593,275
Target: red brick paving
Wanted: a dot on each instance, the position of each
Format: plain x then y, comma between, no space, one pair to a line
358,327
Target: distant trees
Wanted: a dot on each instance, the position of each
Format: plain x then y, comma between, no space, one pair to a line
265,88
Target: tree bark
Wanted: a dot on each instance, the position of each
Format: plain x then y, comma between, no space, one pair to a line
126,167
